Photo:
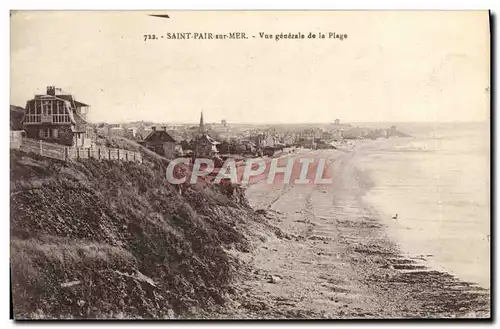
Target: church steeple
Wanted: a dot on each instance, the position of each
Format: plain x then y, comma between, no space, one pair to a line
201,128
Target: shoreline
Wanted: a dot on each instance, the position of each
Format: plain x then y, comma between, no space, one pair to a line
334,259
420,230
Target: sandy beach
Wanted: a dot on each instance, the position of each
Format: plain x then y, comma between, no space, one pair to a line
334,258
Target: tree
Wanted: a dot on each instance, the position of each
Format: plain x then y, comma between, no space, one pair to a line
225,147
185,145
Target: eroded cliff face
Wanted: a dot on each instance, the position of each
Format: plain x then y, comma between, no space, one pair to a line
106,239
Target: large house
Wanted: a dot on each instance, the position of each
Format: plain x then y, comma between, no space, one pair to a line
160,141
57,117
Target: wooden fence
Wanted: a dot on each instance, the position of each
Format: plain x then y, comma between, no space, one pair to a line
65,153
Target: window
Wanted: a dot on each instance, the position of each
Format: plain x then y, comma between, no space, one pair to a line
48,133
60,112
32,116
47,107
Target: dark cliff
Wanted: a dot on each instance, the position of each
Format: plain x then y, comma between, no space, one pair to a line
104,239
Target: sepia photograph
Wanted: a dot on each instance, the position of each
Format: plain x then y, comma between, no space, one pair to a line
250,165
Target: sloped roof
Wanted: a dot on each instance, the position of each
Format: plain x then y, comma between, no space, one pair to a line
77,103
66,97
159,135
211,140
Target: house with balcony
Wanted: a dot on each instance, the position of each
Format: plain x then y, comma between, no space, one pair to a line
57,117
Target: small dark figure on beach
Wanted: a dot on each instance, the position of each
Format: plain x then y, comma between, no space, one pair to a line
395,217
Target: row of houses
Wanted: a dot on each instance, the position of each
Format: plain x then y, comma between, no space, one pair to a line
58,117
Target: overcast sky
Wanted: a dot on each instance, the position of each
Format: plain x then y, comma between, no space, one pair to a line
394,66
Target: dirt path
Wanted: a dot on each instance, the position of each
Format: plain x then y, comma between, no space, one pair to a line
334,259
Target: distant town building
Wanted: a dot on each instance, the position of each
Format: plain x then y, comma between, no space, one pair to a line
326,135
289,140
250,147
206,147
337,121
269,141
393,131
133,131
142,132
223,123
59,118
338,135
117,131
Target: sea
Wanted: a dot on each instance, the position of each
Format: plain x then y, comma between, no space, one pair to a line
437,182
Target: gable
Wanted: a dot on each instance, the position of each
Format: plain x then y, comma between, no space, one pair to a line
159,136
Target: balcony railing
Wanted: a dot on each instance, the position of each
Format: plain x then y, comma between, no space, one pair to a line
47,118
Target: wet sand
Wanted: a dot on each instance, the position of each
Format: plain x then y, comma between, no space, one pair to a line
329,256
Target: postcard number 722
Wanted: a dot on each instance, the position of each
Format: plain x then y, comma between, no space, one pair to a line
150,37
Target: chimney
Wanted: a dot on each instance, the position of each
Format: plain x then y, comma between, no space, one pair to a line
51,90
154,128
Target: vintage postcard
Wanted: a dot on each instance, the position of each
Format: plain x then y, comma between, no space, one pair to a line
250,164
